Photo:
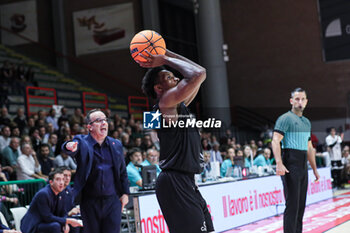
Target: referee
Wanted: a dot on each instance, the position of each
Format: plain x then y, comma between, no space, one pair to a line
293,130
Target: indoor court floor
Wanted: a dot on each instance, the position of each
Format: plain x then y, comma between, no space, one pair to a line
331,216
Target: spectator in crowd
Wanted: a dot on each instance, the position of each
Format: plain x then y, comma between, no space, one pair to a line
28,164
247,154
5,118
65,160
9,157
43,134
47,209
26,139
116,119
51,118
53,145
61,140
133,168
111,127
215,154
138,142
205,144
50,129
125,139
75,129
224,145
20,120
253,146
137,133
152,158
42,116
76,118
45,162
147,143
29,126
15,132
228,163
5,137
35,138
108,113
263,159
207,167
63,120
346,163
333,142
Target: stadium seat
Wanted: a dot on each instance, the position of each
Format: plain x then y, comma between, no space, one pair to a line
18,214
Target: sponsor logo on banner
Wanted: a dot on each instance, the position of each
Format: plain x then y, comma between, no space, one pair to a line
234,204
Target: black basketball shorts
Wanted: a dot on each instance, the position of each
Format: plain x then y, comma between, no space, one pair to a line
183,207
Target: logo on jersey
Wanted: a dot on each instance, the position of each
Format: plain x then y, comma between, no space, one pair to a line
204,227
151,120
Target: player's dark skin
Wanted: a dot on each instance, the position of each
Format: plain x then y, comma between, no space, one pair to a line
170,90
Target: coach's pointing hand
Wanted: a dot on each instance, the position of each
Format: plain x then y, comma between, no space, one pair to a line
72,146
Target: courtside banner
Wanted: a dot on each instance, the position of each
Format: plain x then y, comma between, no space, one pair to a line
237,203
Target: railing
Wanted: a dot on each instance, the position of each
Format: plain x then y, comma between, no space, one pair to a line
93,100
137,105
23,190
40,98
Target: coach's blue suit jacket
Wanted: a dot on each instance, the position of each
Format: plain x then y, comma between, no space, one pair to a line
84,157
42,210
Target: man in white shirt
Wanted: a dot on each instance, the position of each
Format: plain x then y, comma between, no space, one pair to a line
333,142
28,165
5,137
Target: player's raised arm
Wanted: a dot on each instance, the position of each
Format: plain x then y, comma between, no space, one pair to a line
187,88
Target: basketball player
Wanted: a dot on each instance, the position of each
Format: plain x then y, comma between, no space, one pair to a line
183,206
294,131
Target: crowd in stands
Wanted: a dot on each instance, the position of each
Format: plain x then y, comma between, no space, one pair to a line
13,78
31,148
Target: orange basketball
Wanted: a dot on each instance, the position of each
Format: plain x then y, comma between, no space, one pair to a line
147,39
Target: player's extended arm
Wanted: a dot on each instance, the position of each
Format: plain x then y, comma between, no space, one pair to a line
188,87
276,148
311,157
175,55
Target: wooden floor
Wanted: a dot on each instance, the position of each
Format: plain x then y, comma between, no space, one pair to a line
331,216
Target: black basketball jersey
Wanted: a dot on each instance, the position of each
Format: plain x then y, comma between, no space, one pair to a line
180,147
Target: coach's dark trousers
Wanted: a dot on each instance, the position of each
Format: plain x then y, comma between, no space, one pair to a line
101,214
295,188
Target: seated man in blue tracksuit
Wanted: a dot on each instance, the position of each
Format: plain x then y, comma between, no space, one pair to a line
47,209
67,193
152,158
134,168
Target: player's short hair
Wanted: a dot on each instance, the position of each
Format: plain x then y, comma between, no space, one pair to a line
149,80
298,89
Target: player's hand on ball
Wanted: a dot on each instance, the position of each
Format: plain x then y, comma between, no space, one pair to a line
72,146
151,60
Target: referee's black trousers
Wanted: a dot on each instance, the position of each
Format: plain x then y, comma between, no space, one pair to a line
295,188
